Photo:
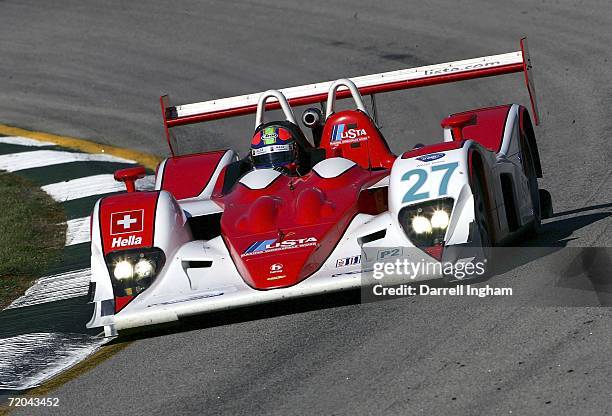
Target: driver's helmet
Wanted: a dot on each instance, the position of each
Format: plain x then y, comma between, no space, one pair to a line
274,147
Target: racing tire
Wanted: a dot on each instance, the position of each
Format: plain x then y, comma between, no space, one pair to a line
530,172
546,205
482,228
482,217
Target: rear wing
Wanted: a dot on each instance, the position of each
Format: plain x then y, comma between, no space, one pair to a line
486,66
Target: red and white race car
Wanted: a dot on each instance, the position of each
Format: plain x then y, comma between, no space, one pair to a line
220,232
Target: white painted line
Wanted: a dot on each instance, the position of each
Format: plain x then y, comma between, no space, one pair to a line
90,185
27,160
55,287
77,231
83,187
29,360
24,141
146,184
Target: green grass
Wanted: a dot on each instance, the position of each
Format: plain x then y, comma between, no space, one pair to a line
32,235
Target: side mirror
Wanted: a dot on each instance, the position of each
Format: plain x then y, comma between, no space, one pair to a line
129,176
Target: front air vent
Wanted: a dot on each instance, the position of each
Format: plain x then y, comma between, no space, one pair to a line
197,264
378,235
205,227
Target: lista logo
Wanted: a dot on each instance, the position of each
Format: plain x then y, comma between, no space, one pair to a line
125,242
127,222
267,246
342,132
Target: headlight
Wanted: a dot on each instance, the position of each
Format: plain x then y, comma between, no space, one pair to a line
123,270
425,224
421,225
144,268
133,271
440,219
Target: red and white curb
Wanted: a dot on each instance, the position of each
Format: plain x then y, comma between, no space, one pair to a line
77,231
55,287
25,359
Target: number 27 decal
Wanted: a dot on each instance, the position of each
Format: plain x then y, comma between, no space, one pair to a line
413,193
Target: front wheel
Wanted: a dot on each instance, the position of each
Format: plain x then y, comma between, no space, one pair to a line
480,233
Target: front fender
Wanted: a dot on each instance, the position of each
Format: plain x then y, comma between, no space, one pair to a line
130,223
434,172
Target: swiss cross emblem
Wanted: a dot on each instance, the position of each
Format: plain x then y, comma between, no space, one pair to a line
127,222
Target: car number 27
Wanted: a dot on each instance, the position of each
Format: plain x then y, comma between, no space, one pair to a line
413,193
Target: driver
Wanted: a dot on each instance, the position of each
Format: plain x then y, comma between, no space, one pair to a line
275,147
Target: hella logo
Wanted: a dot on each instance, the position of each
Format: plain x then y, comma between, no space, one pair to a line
431,157
124,242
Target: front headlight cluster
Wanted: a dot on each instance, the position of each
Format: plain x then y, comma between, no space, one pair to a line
425,224
124,269
132,271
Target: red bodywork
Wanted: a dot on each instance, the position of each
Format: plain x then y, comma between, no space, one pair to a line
187,176
279,235
486,126
353,135
433,148
127,222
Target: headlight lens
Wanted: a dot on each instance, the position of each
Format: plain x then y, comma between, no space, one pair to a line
123,270
144,268
440,219
421,225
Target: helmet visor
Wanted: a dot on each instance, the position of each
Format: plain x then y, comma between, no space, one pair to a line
273,156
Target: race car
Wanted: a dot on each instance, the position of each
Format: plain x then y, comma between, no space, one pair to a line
294,217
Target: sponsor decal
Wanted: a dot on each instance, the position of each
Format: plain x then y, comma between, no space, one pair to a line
348,133
275,269
348,261
272,149
389,252
272,245
278,277
127,222
269,135
450,69
431,157
126,241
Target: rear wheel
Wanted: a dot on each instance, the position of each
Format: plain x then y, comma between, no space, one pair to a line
546,206
530,173
481,213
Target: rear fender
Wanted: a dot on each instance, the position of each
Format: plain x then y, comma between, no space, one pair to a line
193,176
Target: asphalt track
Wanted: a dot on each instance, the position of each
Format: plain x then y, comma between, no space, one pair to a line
95,70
